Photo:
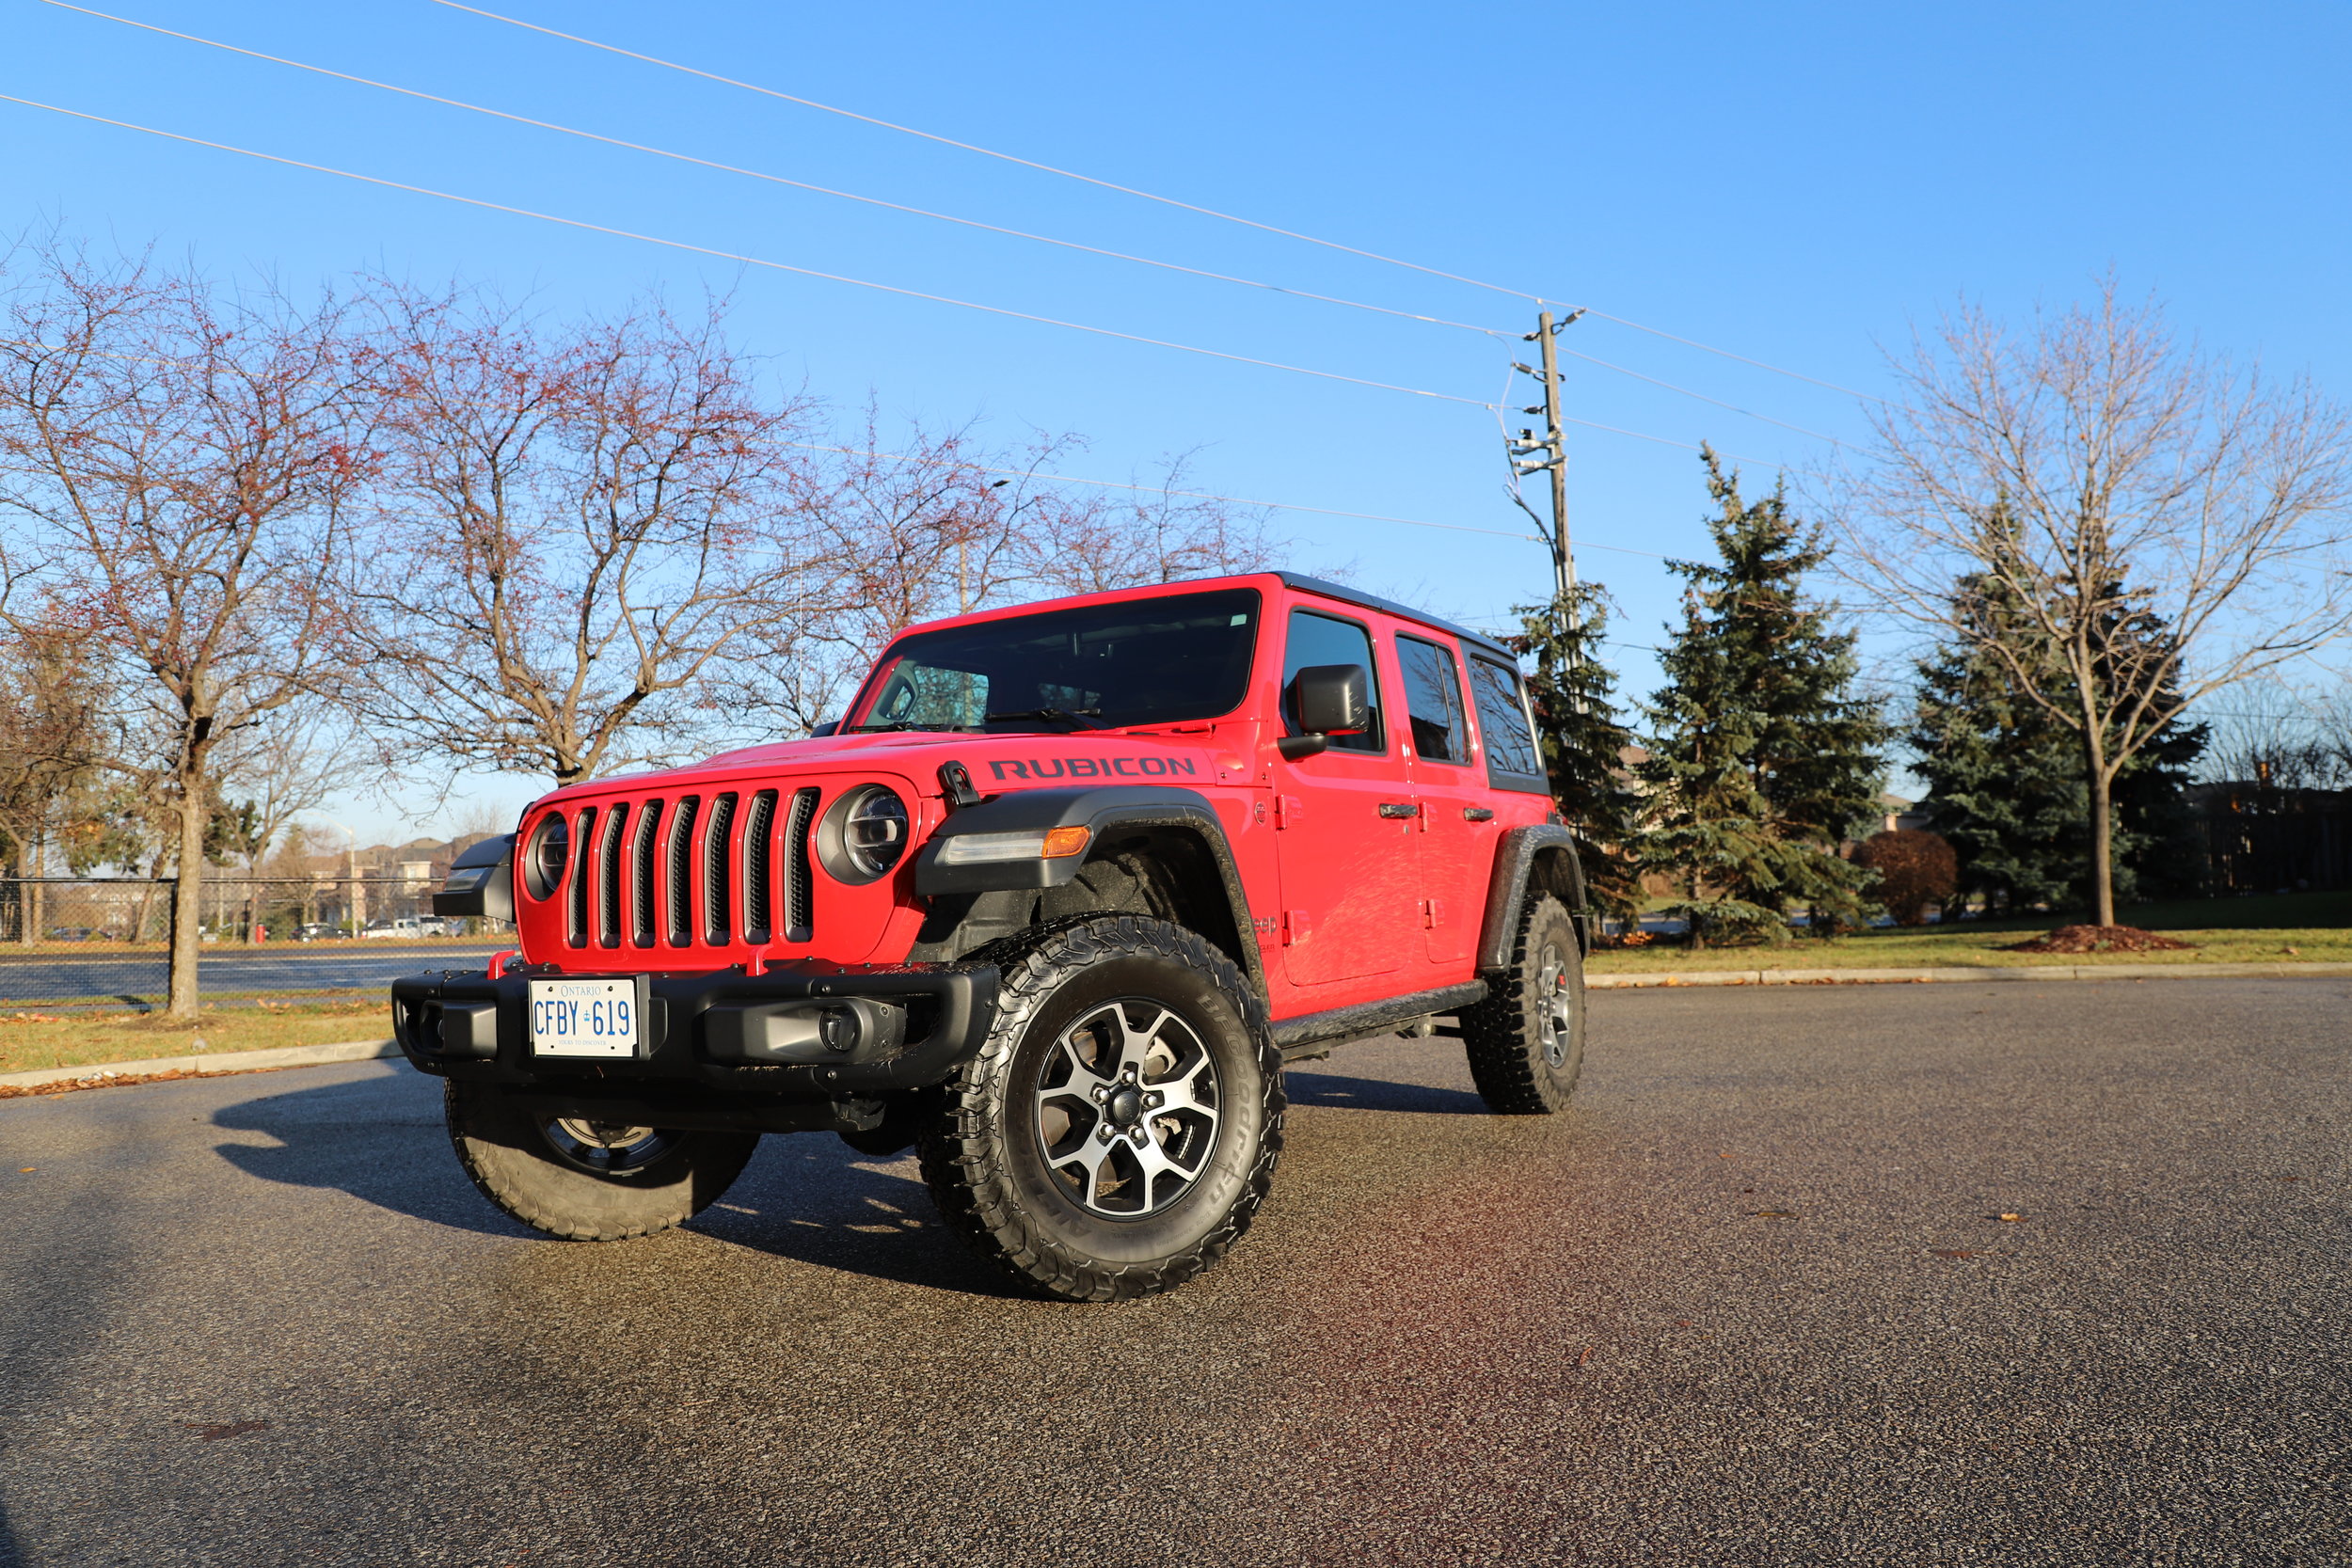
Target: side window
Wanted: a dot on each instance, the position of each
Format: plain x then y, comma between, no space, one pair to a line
1511,760
1433,701
1327,640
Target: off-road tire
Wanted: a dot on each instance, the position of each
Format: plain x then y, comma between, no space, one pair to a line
510,1158
1505,1037
983,1153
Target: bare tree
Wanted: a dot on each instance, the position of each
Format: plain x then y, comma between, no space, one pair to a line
2277,737
2088,475
945,525
574,525
50,739
174,456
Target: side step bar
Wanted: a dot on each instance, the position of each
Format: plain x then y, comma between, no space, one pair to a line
1311,1032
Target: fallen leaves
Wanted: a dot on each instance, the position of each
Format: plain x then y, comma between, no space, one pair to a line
2009,1219
2102,939
213,1431
1776,1214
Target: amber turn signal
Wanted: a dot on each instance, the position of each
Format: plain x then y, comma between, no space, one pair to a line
1064,841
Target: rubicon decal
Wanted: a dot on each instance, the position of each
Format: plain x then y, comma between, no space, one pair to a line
1093,767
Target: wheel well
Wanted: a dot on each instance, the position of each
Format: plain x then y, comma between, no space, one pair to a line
1557,871
1162,872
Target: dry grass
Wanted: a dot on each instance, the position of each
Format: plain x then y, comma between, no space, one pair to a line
31,1039
1972,947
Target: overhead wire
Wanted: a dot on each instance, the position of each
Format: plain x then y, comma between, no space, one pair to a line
1134,191
773,179
763,262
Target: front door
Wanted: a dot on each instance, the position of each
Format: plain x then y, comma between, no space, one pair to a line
1346,829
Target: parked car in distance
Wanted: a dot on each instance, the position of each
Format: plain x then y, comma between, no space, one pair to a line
317,931
395,928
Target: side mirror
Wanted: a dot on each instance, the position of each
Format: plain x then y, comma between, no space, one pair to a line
1326,700
480,883
831,726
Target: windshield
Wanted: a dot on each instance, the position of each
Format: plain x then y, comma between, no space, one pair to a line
1147,661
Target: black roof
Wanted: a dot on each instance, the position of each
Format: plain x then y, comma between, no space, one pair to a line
1389,606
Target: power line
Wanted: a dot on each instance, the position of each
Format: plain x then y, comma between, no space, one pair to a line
826,277
984,152
762,261
773,179
1684,390
1130,190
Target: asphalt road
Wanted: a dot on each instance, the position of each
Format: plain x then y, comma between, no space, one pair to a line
1748,1303
98,974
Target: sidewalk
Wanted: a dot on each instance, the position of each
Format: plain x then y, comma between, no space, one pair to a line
1962,975
99,1074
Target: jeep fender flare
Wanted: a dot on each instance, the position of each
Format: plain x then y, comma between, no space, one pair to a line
1172,809
1542,855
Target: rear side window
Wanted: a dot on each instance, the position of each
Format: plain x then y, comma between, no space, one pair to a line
1433,700
1511,760
1327,640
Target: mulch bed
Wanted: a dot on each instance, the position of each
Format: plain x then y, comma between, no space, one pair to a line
2102,939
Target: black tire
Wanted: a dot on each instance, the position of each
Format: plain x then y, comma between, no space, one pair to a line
1526,1041
1099,1196
546,1172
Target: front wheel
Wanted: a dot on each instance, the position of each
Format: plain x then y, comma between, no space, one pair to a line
1526,1041
588,1180
1119,1126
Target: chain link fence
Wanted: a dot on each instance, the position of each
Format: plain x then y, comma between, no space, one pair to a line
71,942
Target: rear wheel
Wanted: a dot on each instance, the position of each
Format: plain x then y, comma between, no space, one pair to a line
584,1180
1119,1128
1526,1041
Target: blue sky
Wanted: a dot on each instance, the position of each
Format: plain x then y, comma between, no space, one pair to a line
1795,183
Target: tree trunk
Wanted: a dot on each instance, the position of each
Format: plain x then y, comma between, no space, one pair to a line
2102,848
188,914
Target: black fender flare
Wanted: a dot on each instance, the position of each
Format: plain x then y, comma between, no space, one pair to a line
1543,854
1102,811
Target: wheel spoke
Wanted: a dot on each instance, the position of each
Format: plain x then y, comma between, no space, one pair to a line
1136,1044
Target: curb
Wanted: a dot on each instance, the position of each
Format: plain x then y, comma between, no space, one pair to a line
1964,976
208,1064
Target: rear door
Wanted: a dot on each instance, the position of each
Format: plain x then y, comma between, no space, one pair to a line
1455,827
1344,839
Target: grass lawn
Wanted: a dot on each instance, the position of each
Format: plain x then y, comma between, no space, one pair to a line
2317,926
31,1040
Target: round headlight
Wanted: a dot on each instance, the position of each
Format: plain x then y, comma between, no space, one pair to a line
865,834
547,854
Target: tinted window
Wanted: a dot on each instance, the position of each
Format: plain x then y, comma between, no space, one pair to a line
1327,640
1511,760
1147,662
1432,698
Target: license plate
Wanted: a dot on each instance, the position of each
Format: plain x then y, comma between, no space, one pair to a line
583,1018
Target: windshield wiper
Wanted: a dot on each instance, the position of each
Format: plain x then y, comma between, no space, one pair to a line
1076,716
901,724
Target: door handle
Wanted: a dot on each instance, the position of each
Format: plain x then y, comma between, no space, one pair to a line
1478,814
1399,807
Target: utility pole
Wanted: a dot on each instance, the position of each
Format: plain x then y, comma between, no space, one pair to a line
1530,455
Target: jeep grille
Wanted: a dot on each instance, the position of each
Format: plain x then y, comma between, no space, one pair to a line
675,872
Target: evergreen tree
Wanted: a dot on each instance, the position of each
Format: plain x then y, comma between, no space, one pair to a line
1585,742
1763,757
2008,784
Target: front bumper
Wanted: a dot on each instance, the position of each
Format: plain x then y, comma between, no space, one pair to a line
703,1038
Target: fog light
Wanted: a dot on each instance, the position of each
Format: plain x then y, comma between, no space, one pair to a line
838,1028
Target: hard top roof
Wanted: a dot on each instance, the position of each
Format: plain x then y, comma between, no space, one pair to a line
1389,606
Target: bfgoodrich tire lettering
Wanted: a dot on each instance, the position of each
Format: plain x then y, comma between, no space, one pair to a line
1526,1041
1008,1156
588,1182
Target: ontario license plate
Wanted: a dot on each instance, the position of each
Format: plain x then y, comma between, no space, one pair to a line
583,1018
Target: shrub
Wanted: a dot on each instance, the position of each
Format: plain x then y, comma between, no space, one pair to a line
1915,868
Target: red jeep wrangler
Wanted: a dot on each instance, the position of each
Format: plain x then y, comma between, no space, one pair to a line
1052,905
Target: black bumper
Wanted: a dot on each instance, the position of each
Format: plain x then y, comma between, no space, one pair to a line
703,1038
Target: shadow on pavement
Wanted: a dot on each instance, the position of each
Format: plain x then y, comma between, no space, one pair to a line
379,1138
809,1197
1308,1088
806,1197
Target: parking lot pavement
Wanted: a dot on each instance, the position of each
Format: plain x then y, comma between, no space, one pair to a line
1750,1303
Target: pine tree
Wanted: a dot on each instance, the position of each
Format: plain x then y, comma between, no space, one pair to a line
1585,742
1763,756
2008,784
